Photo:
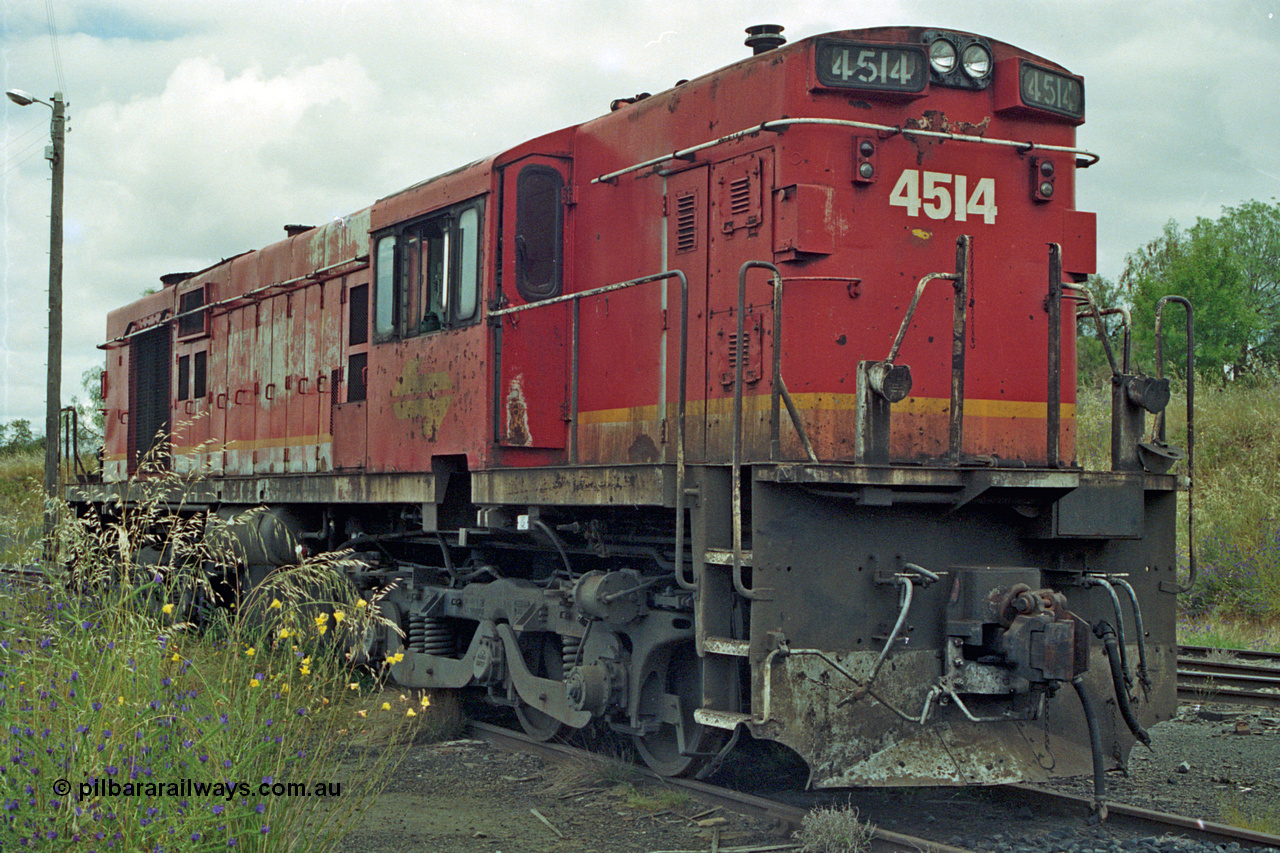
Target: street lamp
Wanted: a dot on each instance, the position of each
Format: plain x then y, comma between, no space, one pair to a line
53,390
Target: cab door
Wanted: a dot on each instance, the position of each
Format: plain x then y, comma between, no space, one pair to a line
533,373
350,382
741,230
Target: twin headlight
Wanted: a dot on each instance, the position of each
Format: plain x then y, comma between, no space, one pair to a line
959,60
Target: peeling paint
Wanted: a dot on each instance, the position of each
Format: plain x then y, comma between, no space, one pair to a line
517,414
937,121
423,397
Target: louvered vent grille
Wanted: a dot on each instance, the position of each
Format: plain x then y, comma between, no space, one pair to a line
686,223
733,350
740,196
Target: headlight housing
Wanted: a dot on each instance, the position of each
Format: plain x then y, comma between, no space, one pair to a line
942,56
976,61
959,60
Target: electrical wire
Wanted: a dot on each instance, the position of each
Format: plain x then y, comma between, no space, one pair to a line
57,50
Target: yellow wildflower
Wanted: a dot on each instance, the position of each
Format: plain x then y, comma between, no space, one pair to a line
275,604
410,713
322,618
253,682
249,652
386,706
362,713
396,658
304,669
338,616
284,633
176,657
353,686
320,629
361,604
167,609
119,700
425,701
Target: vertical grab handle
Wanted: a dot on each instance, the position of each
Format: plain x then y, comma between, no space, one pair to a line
1191,419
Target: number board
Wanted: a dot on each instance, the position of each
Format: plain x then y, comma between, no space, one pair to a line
852,65
1051,90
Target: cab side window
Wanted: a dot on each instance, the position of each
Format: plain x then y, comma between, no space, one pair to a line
539,232
428,274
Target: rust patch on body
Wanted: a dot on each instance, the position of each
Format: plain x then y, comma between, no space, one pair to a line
517,414
936,121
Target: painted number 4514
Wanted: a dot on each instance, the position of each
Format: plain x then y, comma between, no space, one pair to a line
933,192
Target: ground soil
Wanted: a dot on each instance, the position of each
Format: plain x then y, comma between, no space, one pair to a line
467,796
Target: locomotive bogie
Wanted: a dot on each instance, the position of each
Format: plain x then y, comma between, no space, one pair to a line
748,406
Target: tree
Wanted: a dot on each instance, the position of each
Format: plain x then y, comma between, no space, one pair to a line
1230,270
1252,230
1205,271
16,436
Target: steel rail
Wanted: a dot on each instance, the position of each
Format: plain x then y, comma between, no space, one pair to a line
751,805
1236,654
1146,821
1252,678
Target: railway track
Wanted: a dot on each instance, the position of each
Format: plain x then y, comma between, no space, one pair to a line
1052,810
1245,678
751,805
21,576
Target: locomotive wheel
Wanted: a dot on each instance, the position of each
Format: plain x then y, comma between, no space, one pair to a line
542,656
660,750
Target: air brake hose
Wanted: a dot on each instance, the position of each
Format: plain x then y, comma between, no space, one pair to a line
1103,632
1095,743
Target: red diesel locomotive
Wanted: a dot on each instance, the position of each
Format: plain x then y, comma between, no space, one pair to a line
747,406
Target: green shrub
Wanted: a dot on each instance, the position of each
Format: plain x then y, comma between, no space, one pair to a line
123,726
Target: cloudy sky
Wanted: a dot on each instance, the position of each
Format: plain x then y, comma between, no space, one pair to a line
199,128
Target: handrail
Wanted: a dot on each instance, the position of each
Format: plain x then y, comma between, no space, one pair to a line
1053,393
911,310
69,426
318,276
739,359
1191,420
959,328
778,125
681,405
1086,296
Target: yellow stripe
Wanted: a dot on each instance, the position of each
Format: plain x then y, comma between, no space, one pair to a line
828,402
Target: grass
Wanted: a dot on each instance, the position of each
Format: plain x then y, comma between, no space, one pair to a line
21,506
1238,809
1226,633
136,716
1237,498
835,829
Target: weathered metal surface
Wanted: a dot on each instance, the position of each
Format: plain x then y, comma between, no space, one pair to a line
319,488
635,485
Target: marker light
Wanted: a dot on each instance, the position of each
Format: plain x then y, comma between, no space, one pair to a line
976,61
942,56
1043,175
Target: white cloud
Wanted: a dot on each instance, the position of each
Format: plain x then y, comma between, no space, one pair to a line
199,129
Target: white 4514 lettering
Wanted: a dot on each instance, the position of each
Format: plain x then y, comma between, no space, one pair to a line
934,192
